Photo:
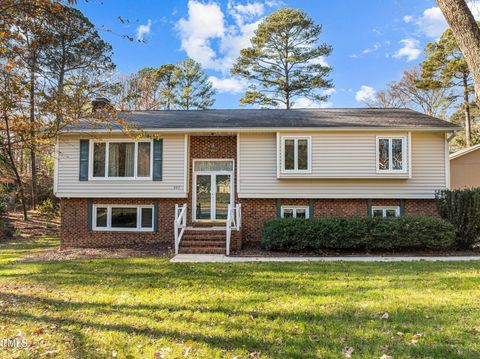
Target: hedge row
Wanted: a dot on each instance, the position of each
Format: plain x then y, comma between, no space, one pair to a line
359,233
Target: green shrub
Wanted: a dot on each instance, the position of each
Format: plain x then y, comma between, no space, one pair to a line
48,208
358,233
462,209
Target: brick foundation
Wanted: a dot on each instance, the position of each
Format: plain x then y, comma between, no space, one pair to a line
256,212
75,232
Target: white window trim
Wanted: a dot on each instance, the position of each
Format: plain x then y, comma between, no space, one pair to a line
109,218
384,210
294,209
295,155
404,154
106,178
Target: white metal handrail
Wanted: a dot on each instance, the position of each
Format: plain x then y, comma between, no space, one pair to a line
234,221
179,224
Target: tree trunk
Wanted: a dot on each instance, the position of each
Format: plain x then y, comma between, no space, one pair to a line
467,34
466,102
13,166
33,163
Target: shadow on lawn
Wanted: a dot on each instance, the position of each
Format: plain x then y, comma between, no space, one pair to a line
316,306
235,336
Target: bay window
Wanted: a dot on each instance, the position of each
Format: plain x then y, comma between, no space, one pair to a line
391,154
123,218
122,159
296,154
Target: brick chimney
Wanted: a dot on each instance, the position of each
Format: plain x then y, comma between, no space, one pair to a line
100,104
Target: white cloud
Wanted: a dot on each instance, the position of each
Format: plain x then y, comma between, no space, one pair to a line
410,50
474,6
432,23
304,102
143,30
407,18
321,60
368,50
208,37
204,23
231,84
365,94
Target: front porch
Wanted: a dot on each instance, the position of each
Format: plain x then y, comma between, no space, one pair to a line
210,220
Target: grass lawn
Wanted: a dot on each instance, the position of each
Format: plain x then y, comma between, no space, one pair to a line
150,308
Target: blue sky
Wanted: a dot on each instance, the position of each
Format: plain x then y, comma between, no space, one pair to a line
373,41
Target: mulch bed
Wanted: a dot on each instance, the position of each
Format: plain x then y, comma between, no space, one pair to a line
256,251
56,254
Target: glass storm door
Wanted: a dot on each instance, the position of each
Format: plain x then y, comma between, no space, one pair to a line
213,195
204,197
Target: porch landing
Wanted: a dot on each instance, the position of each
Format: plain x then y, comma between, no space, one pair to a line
220,258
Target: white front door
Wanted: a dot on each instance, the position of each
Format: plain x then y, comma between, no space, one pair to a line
213,193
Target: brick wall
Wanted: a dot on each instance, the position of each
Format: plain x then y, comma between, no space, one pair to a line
75,232
256,212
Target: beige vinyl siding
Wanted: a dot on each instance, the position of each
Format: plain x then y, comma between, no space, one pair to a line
347,164
343,155
172,185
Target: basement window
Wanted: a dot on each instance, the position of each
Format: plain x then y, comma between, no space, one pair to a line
123,218
386,212
295,212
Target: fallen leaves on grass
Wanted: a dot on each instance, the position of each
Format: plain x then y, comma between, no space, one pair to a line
347,352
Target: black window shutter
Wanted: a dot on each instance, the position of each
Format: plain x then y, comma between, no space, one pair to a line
157,160
155,215
84,148
369,208
89,214
279,208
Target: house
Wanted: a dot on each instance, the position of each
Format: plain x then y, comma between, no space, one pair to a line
465,168
207,181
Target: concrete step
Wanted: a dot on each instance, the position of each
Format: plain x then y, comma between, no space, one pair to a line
199,236
202,250
203,243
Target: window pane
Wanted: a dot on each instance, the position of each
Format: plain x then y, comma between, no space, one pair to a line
289,154
124,217
378,213
213,165
143,158
301,213
288,213
397,151
121,159
383,154
101,217
99,159
147,219
303,154
391,213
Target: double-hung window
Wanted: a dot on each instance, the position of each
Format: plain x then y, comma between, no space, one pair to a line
295,212
122,159
386,212
123,218
296,154
391,154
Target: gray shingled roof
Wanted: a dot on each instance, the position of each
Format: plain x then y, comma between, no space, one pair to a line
273,118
